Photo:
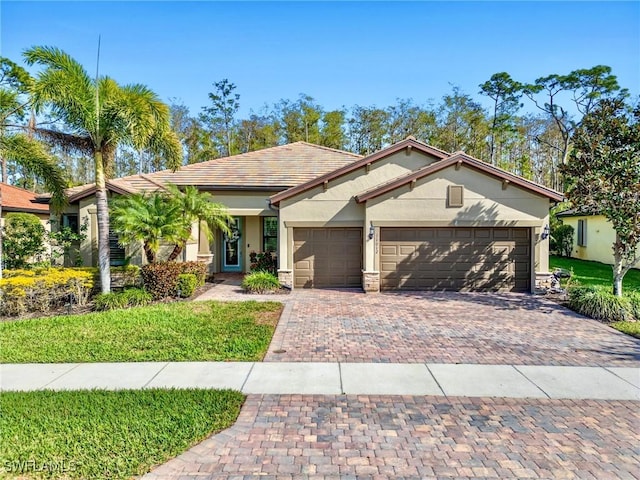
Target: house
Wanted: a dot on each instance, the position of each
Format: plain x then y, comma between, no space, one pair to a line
410,216
593,236
242,182
19,200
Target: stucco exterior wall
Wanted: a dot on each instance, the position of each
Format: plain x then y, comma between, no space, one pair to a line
335,205
486,203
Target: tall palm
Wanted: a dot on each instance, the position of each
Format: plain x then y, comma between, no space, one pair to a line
148,219
99,115
199,207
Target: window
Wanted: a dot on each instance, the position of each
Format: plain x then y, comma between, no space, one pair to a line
455,196
117,256
71,220
269,234
582,233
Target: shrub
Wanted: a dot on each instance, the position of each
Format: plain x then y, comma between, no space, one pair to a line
187,284
561,240
39,290
126,276
199,269
600,303
132,297
260,282
161,279
634,299
263,262
23,239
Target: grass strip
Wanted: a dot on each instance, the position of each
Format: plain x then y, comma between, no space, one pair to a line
181,331
106,434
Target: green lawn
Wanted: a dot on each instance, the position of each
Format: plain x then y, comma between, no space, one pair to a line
594,273
101,434
181,331
630,328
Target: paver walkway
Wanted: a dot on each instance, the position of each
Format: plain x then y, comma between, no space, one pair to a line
377,437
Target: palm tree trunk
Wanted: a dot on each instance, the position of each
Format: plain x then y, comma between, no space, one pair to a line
177,250
103,225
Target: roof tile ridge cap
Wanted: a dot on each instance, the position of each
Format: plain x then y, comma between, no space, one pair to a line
330,149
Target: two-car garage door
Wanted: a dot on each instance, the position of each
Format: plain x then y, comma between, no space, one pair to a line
445,258
473,259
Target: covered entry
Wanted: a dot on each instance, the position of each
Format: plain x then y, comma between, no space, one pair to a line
327,257
453,258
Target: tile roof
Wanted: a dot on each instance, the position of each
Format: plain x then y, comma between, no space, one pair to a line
16,199
275,168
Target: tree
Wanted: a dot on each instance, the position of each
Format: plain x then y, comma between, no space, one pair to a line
300,120
99,115
505,93
585,87
220,115
147,218
332,132
23,239
405,119
19,147
462,125
197,206
368,129
603,176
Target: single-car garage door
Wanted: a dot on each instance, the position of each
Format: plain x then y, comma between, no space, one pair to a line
327,257
472,259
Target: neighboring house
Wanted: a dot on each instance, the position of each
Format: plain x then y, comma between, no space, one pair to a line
16,199
593,236
407,217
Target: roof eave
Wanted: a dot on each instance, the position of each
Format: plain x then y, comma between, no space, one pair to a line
452,160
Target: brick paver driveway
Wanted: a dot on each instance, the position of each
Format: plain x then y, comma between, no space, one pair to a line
329,437
377,437
416,327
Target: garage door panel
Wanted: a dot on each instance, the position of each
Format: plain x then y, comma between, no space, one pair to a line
455,258
327,257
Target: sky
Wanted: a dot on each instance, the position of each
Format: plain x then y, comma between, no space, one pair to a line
340,53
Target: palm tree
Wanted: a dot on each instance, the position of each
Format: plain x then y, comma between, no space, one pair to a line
198,206
19,147
149,219
99,115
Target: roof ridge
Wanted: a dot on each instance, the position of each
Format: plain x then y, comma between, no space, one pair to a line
330,149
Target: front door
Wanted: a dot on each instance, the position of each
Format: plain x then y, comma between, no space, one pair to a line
232,247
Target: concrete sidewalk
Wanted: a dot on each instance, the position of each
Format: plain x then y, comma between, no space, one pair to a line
467,380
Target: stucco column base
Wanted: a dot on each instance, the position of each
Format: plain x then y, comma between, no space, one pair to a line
285,277
371,282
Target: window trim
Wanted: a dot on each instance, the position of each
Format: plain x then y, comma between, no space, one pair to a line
582,233
266,237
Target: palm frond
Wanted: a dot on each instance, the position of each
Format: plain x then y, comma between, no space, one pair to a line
31,155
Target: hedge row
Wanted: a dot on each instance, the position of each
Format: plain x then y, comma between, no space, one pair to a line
23,291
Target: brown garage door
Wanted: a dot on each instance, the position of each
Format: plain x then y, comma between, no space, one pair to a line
327,257
473,259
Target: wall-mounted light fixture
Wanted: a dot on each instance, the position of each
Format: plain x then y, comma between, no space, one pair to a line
545,232
372,231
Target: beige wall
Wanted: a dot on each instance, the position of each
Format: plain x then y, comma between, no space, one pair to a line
335,204
600,239
486,203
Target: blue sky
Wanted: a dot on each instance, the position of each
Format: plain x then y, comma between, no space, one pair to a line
340,53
